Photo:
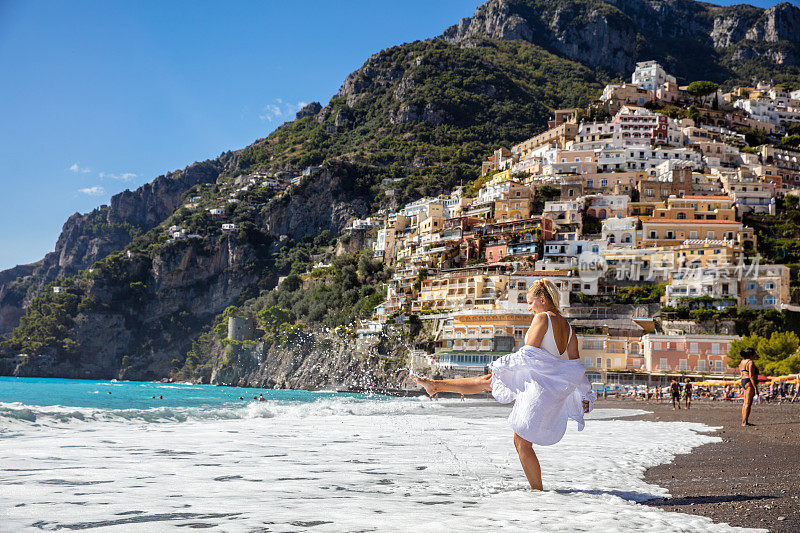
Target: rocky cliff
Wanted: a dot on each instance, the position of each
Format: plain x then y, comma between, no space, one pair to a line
87,238
139,311
317,360
615,34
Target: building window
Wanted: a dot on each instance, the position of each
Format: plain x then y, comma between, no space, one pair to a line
693,347
599,362
715,347
750,285
751,300
682,364
587,362
662,364
769,300
701,365
718,366
768,286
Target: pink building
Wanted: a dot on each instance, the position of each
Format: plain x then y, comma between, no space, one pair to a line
496,251
689,353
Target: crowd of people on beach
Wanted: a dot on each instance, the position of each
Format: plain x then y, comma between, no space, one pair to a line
777,392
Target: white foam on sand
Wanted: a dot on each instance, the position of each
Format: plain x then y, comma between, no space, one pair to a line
418,465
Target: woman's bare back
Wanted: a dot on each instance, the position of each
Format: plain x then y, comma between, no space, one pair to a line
561,333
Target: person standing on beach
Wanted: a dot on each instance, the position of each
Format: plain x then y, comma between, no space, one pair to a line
748,374
675,392
545,379
687,393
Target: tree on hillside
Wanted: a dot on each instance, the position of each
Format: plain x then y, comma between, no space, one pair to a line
734,352
701,89
777,354
755,137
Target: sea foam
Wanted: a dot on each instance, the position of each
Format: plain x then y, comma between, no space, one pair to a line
339,464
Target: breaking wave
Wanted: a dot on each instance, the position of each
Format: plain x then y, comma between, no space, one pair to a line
324,407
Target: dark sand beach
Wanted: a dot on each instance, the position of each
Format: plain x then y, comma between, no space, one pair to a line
750,479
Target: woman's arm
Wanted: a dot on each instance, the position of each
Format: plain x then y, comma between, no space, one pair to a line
537,331
753,379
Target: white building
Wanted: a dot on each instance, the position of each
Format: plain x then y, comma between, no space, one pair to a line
697,282
492,192
620,232
650,75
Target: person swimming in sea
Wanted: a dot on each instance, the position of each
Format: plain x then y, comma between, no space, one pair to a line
545,379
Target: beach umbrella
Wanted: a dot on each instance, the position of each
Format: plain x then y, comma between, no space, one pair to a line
762,379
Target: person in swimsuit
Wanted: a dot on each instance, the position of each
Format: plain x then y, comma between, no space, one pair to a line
748,374
550,332
687,393
675,392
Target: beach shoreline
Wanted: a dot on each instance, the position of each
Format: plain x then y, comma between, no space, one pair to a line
750,479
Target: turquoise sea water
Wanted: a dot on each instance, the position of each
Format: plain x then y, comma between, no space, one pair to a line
146,395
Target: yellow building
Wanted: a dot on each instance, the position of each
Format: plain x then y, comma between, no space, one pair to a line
560,134
476,330
672,232
515,204
640,264
697,208
462,287
609,352
706,253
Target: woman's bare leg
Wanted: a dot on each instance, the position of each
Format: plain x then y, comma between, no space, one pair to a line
747,405
530,463
474,385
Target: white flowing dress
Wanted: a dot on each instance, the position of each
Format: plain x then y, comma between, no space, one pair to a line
546,387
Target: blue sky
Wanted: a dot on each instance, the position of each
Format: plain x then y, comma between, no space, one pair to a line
98,97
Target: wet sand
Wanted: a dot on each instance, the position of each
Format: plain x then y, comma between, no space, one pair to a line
750,479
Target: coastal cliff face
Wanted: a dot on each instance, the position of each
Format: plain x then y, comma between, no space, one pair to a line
326,202
87,238
317,360
617,33
139,311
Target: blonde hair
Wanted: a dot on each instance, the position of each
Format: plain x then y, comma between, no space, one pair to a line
545,287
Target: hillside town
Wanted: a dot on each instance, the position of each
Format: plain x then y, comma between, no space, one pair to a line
609,200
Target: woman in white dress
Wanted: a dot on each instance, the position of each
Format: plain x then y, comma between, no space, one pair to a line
545,379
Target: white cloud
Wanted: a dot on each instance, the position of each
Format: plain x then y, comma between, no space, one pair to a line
76,168
270,113
126,176
93,191
280,110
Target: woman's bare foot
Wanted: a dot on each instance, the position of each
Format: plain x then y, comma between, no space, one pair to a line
428,384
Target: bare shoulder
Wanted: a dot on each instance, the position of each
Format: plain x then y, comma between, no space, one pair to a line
539,321
540,318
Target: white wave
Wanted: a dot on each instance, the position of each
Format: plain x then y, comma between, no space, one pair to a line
323,407
432,467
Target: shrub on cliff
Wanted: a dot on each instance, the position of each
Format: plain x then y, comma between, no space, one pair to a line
48,321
